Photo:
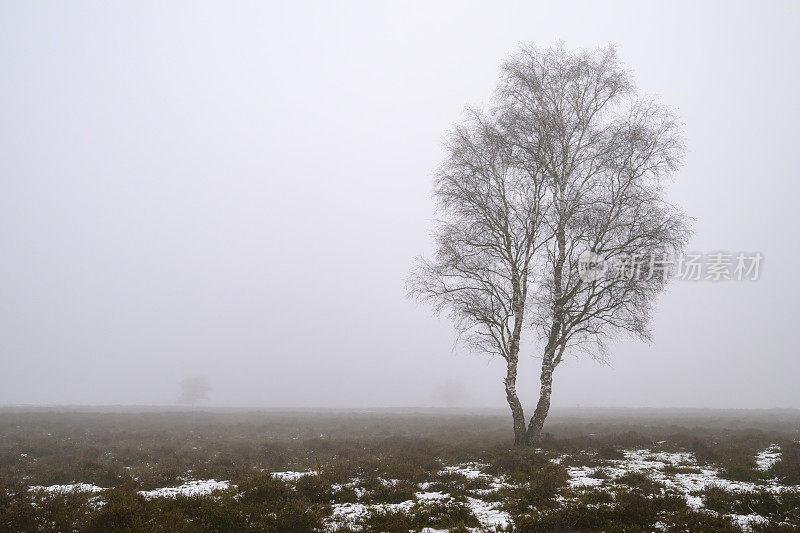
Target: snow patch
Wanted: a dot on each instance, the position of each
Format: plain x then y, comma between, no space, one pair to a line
63,489
351,515
488,515
291,476
686,483
766,458
468,470
747,521
190,489
581,476
653,463
474,471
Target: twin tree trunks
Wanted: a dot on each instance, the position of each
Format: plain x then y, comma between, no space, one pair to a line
555,342
532,434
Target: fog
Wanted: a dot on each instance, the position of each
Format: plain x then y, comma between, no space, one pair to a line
238,190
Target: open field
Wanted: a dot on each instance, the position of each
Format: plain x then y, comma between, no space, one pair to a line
237,470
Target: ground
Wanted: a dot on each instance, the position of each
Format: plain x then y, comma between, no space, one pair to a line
596,470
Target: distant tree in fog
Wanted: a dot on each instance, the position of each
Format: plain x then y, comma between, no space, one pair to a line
194,390
569,162
451,393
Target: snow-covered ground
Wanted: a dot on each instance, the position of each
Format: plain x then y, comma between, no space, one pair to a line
468,470
290,476
351,514
475,471
488,514
63,489
689,479
687,483
653,464
678,471
768,457
190,488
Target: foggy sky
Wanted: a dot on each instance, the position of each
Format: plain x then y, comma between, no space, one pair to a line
238,190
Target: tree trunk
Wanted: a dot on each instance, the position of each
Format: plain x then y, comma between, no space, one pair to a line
513,401
534,433
554,339
512,358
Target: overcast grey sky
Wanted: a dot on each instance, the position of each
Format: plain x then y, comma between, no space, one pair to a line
238,190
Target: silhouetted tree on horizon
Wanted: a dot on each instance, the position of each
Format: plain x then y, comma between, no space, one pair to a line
194,389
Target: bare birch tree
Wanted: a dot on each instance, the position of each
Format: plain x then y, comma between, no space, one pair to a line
485,242
570,162
603,154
